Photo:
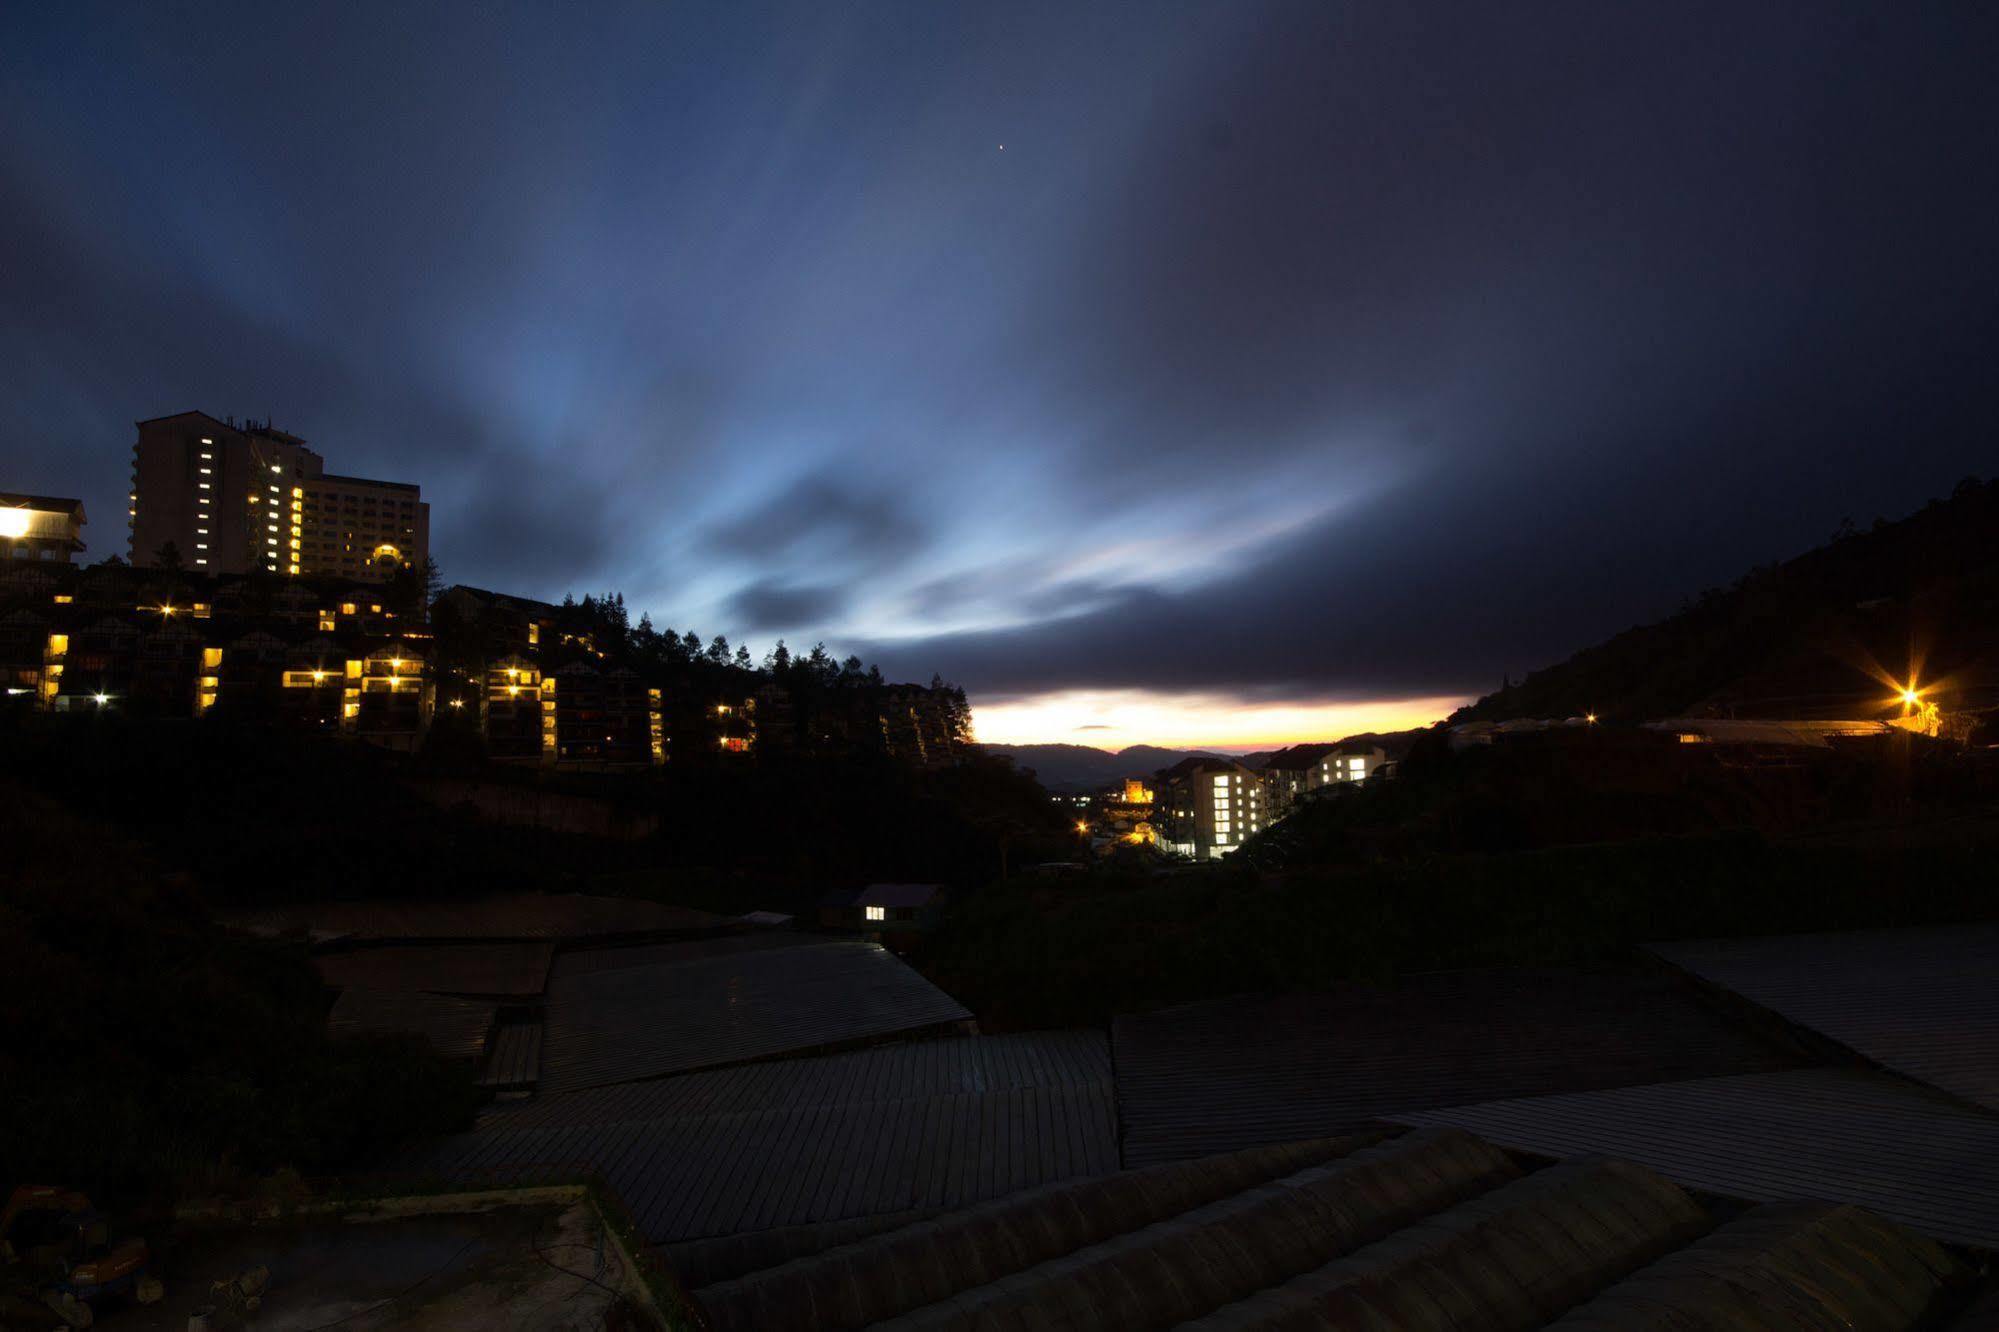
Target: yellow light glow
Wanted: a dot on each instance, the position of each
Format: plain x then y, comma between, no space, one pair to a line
318,677
1113,719
1911,697
1591,719
1082,826
13,522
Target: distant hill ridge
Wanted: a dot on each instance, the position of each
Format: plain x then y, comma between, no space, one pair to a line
1805,637
1072,769
1075,768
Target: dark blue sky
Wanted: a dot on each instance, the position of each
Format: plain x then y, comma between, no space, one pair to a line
1305,356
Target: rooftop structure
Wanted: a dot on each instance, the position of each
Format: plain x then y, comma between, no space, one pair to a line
617,1023
1432,1229
1911,1154
1921,1002
40,527
884,1132
1232,1073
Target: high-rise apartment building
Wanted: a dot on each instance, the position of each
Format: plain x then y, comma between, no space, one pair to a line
237,499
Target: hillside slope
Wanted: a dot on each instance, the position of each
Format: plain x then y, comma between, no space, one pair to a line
1829,633
1067,769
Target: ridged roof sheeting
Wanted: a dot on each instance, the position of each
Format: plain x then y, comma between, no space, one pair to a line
854,1285
1223,1075
510,970
1173,1270
1923,1002
1510,1259
1840,1135
916,1126
647,1021
1783,1267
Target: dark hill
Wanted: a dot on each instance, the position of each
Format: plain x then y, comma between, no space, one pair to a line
1822,635
1067,769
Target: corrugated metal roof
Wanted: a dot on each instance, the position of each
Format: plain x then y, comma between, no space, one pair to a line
515,916
513,970
455,1028
897,894
1434,1231
1843,1135
515,1057
1923,1002
1214,1077
674,1017
926,1124
587,961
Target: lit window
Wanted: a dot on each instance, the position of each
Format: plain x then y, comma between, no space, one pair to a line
877,913
203,484
208,471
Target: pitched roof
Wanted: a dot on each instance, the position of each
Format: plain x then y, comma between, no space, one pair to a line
645,1021
44,503
897,894
1845,1135
920,1125
515,970
1231,1073
1923,1002
1297,758
1428,1230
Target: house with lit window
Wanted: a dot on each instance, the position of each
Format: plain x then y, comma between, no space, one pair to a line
1351,762
883,909
40,527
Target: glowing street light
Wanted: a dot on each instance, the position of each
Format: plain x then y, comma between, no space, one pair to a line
102,699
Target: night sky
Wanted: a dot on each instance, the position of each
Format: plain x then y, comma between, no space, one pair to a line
1217,373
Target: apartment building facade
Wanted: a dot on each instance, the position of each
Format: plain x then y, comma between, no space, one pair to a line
238,499
1208,808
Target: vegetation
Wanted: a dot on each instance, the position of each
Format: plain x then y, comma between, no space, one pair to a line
148,1050
1832,625
1040,952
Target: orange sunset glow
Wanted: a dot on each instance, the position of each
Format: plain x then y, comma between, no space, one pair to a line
1112,719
